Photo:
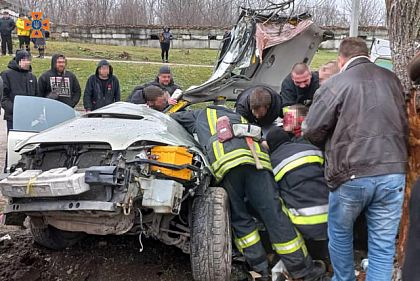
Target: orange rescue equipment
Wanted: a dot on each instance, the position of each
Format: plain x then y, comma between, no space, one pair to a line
175,155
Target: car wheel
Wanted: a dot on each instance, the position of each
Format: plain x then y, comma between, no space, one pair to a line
211,244
54,238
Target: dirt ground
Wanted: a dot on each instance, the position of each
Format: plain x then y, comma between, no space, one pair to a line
95,258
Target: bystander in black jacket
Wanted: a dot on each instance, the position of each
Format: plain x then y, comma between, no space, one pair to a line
243,107
100,92
16,81
63,87
292,94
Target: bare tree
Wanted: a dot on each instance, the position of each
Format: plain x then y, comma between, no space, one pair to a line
404,33
372,12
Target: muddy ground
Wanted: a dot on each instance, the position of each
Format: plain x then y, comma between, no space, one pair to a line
95,258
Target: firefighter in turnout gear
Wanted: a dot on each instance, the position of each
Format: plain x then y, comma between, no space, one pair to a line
299,173
234,167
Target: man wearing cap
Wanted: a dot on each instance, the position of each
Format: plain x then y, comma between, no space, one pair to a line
17,80
59,83
7,25
299,172
164,80
102,88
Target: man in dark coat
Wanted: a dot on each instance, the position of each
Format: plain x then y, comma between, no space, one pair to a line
17,80
164,80
59,83
7,25
260,105
299,86
359,115
165,38
102,88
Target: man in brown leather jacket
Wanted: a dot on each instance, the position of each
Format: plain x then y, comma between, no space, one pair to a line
359,116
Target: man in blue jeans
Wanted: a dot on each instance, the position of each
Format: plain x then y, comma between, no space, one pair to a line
359,117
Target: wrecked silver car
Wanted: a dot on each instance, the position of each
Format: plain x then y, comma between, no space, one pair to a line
127,169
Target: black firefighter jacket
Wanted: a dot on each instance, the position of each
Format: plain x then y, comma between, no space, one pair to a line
299,172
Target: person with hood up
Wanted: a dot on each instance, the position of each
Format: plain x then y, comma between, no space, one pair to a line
102,88
260,105
59,83
7,25
164,80
17,80
165,38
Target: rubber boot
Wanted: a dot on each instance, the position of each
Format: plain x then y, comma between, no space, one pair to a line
317,273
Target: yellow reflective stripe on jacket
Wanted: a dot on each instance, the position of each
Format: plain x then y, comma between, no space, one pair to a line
212,120
296,163
245,159
248,240
238,153
290,247
304,219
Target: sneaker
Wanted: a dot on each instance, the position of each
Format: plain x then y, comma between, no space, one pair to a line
317,273
166,61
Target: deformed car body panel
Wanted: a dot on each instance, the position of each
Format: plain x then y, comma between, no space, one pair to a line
239,68
120,125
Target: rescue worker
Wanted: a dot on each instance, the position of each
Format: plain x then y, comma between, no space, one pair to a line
299,173
234,167
260,105
300,85
23,35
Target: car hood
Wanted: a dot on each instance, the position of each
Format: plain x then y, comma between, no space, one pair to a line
120,125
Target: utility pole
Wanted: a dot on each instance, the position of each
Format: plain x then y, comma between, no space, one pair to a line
354,24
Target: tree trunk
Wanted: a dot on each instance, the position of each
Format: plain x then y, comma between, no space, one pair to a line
404,29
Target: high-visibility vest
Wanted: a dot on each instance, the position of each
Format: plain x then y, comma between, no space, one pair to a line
298,171
20,26
232,153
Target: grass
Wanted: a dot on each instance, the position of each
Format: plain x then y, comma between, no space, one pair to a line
130,74
84,50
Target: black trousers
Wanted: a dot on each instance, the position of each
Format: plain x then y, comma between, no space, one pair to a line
165,50
259,188
24,42
411,269
6,40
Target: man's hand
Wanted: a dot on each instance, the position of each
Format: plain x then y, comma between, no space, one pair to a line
172,101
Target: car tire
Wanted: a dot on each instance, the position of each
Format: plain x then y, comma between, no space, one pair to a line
54,238
211,241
